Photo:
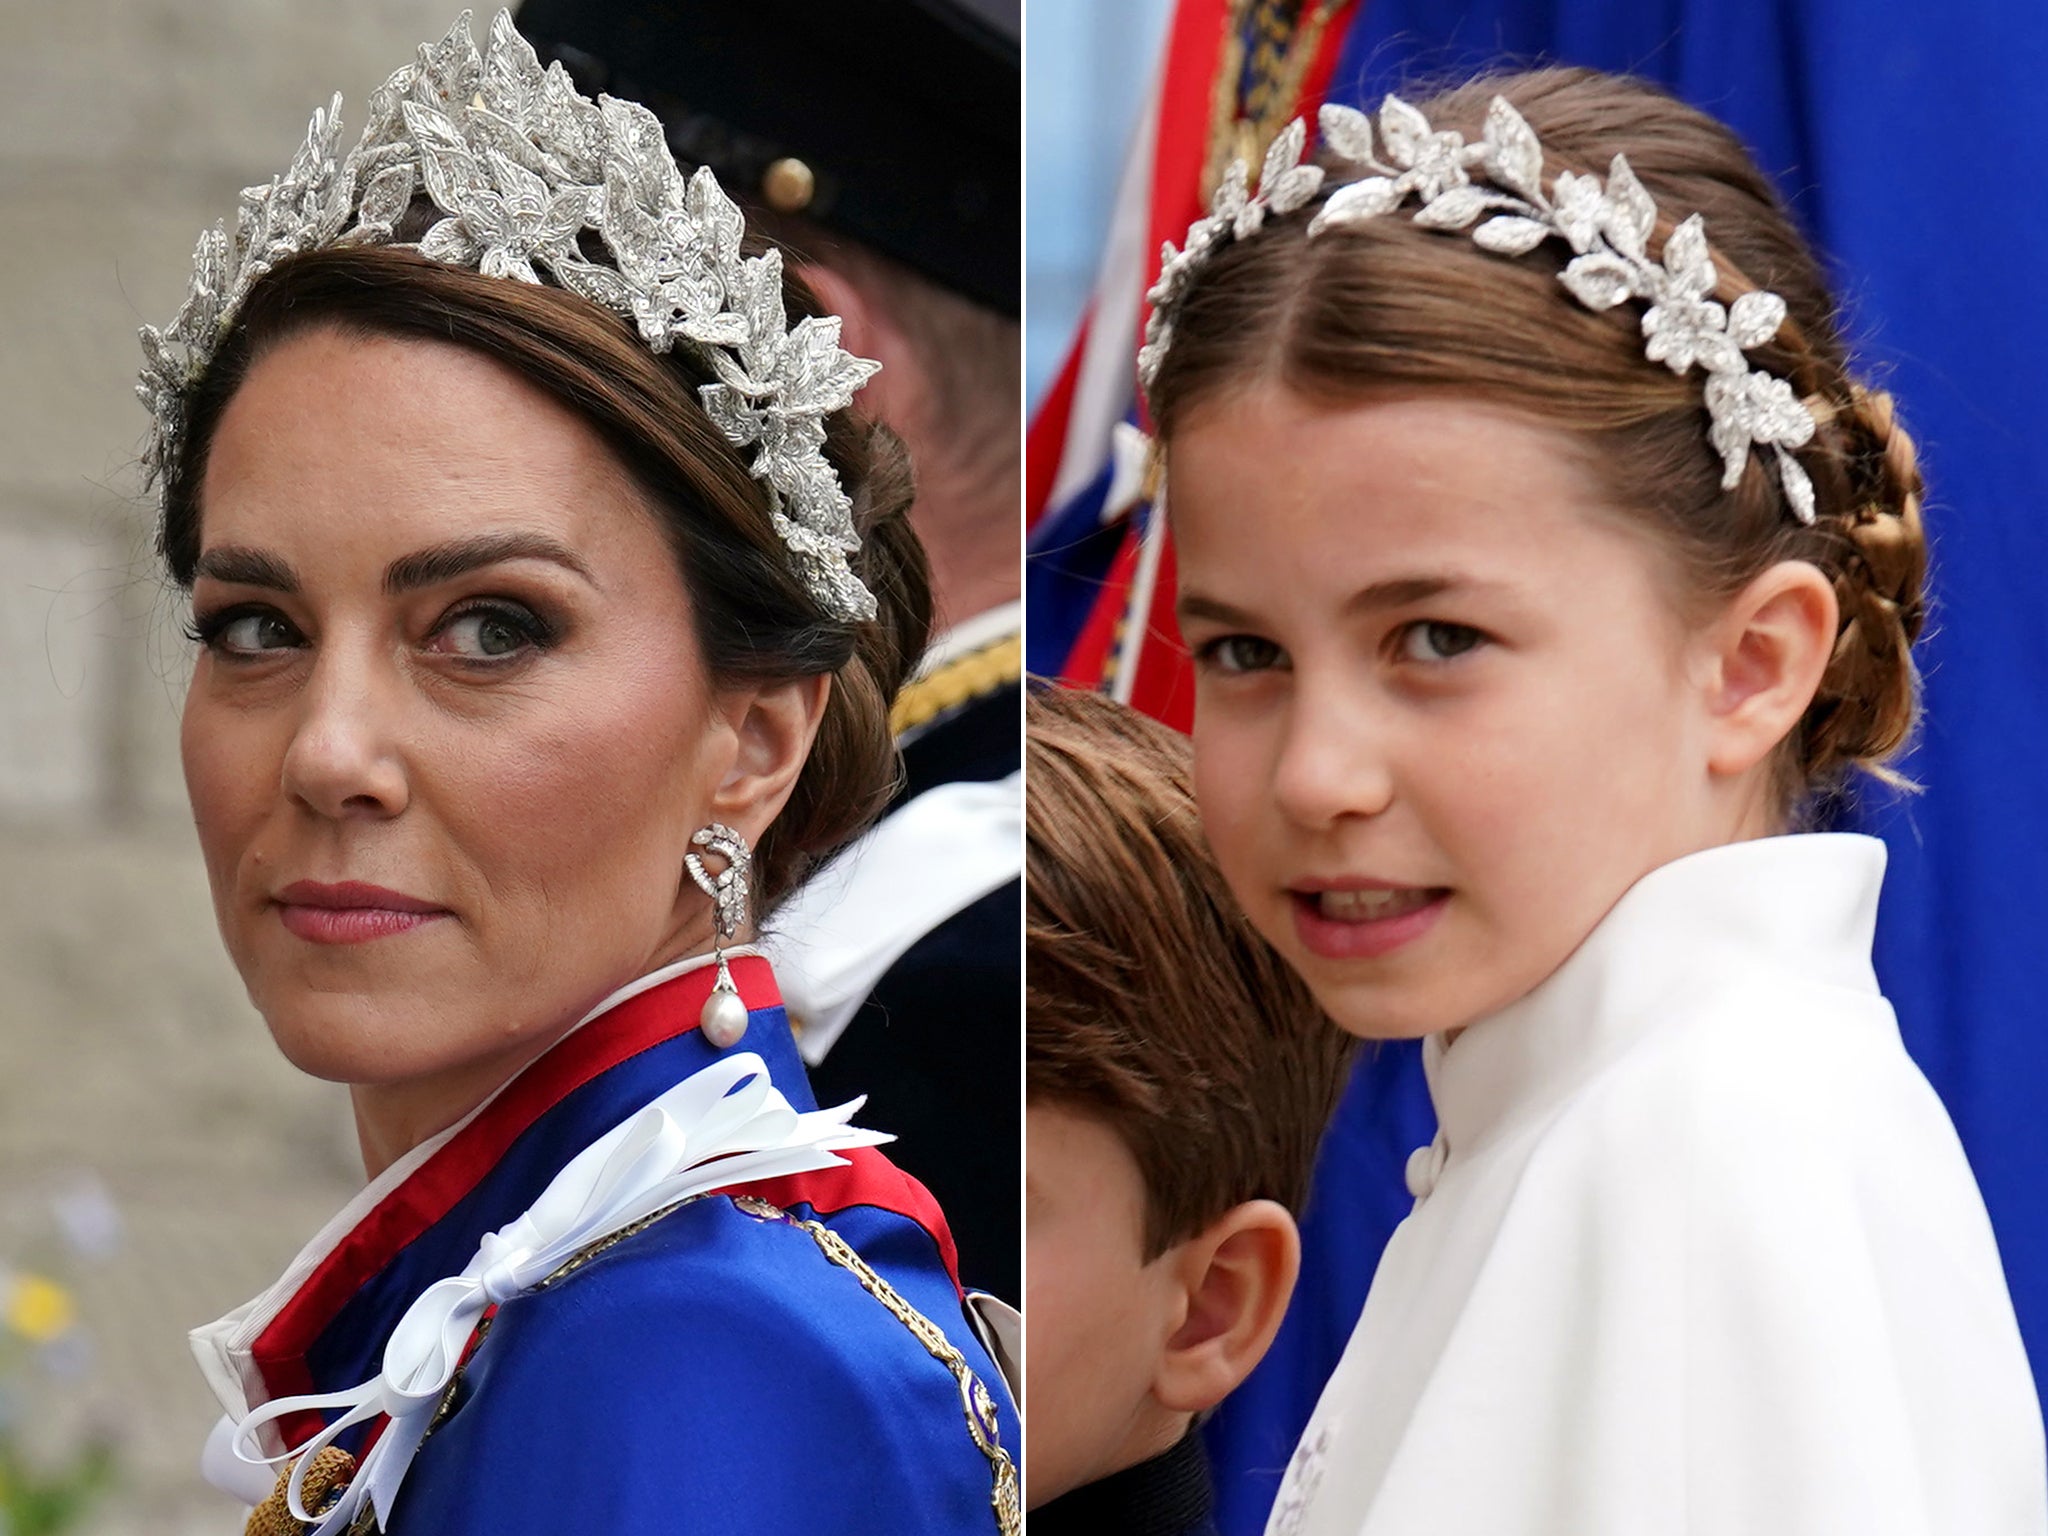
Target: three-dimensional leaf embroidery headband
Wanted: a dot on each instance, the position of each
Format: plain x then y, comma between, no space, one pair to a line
521,165
1607,227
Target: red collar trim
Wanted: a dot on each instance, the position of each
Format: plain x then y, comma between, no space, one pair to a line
432,1190
455,1169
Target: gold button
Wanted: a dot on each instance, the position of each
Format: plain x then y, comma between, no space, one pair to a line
788,185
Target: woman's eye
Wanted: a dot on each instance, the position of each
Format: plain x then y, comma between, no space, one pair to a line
1242,653
489,634
248,633
1434,640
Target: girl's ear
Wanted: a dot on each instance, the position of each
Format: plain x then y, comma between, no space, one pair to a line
773,725
1235,1277
1767,653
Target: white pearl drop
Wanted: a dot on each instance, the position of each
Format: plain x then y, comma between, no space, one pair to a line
724,1019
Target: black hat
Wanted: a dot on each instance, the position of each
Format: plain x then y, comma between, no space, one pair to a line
893,122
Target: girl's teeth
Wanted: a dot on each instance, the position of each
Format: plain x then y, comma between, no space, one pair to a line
1371,906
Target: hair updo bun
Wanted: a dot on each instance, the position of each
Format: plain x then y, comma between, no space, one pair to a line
1389,304
755,619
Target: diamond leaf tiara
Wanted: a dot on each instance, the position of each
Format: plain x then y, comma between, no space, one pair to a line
520,165
1607,227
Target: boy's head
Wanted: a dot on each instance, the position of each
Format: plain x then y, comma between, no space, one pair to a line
1178,1079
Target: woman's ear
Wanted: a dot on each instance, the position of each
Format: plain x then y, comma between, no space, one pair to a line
1236,1276
1768,651
773,725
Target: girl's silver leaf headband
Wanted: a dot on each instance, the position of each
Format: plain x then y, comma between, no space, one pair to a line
1608,229
521,165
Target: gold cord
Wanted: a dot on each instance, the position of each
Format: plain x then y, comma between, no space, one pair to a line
975,1400
967,677
333,1469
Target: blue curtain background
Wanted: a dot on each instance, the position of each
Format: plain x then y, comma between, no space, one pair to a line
1910,138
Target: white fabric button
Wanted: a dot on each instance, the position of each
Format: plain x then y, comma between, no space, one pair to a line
1425,1167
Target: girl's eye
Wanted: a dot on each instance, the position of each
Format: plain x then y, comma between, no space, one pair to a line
1431,640
1242,653
490,634
246,632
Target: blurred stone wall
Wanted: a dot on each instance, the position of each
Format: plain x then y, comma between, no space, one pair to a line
128,1054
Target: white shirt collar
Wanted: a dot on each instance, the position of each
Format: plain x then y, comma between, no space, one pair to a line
969,635
1800,907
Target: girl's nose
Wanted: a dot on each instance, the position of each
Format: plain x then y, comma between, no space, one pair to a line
1333,764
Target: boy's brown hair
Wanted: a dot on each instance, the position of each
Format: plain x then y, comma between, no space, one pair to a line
1150,1002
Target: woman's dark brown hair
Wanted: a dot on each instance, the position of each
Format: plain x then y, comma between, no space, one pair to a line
1389,306
755,621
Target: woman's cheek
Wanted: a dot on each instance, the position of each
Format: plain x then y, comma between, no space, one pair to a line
227,778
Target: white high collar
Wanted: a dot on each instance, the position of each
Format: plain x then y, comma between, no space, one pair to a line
1801,906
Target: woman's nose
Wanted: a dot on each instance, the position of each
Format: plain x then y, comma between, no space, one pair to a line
343,759
1333,764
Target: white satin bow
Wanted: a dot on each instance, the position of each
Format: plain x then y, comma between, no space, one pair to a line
725,1125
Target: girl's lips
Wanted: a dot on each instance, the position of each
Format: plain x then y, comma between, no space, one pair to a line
1367,922
351,912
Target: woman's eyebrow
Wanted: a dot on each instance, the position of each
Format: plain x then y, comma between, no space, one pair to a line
444,562
241,566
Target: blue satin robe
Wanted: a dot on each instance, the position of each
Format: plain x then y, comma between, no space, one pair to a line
712,1373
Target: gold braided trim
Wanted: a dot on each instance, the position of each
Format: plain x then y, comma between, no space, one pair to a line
1286,37
328,1475
964,678
979,1407
333,1469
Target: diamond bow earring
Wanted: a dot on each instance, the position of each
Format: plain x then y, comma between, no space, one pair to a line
724,1019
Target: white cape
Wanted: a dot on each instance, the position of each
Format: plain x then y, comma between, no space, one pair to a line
1697,1250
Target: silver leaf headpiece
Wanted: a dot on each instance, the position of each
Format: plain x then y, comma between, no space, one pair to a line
1607,227
520,165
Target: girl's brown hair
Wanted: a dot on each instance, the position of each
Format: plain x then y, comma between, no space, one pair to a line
1388,305
755,620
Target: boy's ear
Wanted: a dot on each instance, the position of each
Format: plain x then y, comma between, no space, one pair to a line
1769,650
1234,1277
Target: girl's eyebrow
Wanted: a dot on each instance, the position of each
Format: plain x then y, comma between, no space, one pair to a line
1401,591
1394,592
1193,605
1406,591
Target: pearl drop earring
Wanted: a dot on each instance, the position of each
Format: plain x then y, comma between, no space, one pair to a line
724,1019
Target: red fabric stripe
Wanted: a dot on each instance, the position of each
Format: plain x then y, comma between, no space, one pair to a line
1194,45
451,1173
435,1188
1165,685
1047,438
1087,664
868,1178
1315,84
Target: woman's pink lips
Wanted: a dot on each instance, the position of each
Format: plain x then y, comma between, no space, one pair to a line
350,912
1359,939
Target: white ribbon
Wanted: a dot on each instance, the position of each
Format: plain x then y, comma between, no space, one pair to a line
725,1125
